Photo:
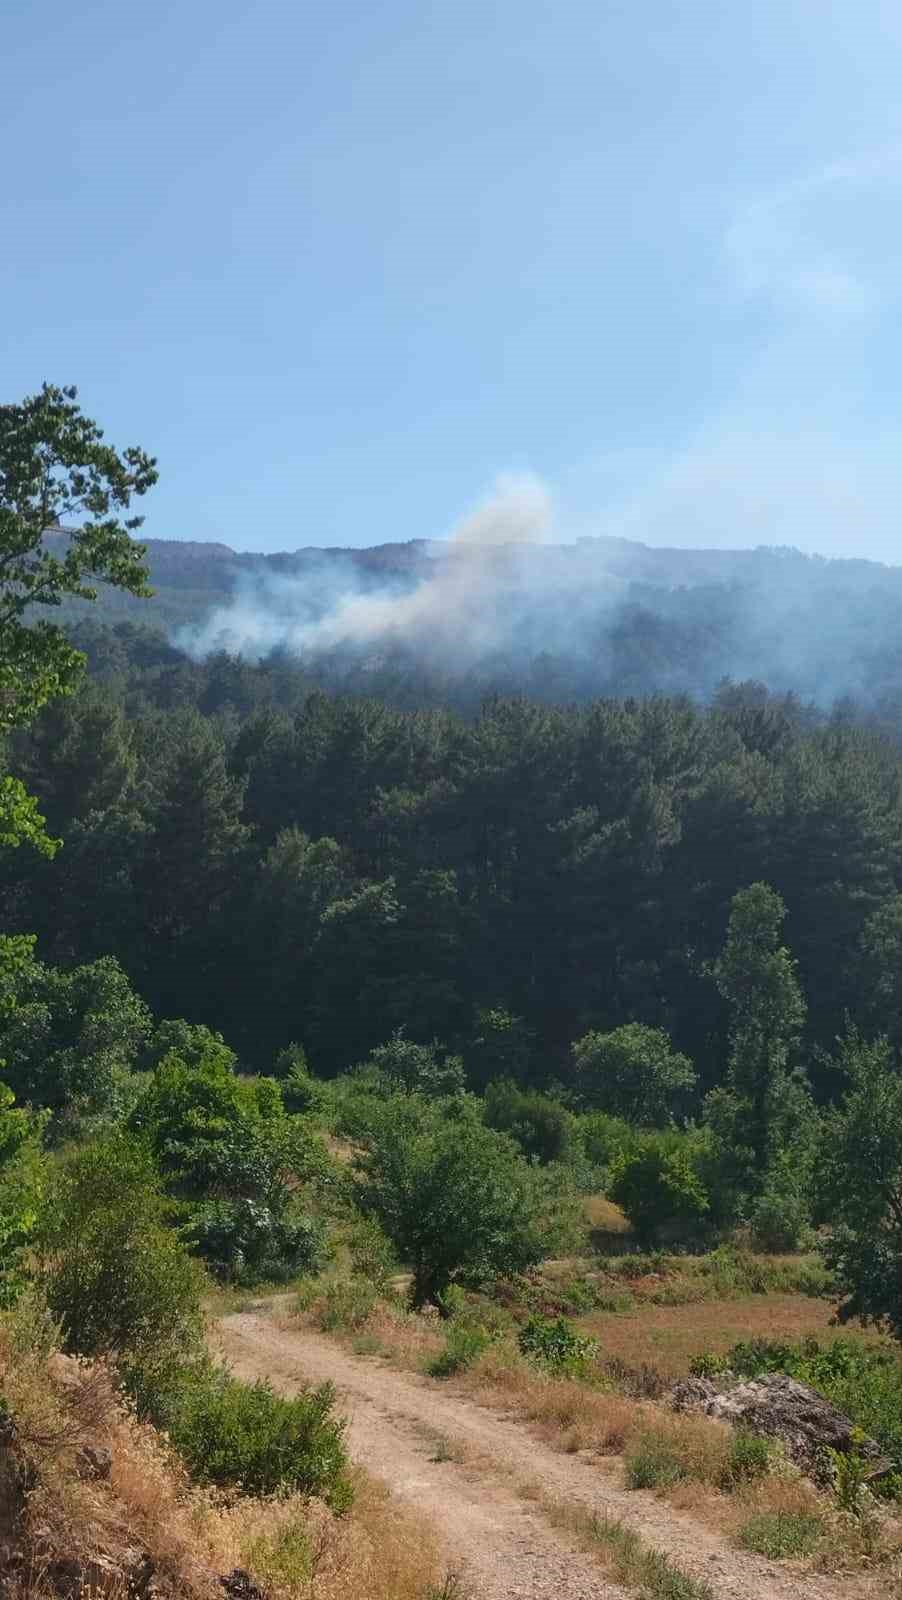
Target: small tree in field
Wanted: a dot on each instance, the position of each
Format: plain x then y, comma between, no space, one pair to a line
455,1198
633,1072
656,1182
858,1182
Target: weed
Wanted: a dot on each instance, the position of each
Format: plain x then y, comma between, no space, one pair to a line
750,1457
367,1344
557,1345
653,1463
463,1345
346,1303
781,1535
629,1561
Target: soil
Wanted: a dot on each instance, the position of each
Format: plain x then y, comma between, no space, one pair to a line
475,1474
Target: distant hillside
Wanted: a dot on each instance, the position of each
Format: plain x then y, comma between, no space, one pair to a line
444,622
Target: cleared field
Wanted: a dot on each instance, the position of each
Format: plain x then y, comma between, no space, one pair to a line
667,1337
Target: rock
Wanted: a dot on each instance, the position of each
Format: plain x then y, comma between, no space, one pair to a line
239,1585
93,1462
782,1408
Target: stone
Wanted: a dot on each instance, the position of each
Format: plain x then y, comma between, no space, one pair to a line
805,1422
93,1462
239,1585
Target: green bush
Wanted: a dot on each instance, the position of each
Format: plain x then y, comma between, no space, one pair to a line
456,1199
750,1458
243,1241
556,1344
634,1073
541,1126
346,1303
657,1182
372,1254
781,1535
652,1462
237,1434
115,1275
464,1344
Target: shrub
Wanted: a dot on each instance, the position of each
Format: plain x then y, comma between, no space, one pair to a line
243,1241
456,1199
115,1274
372,1254
556,1344
653,1462
464,1344
657,1182
780,1217
633,1073
750,1458
232,1433
780,1535
541,1126
346,1303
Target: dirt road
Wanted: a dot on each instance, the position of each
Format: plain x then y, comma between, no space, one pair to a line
470,1469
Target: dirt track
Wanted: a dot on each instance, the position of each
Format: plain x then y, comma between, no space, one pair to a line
403,1429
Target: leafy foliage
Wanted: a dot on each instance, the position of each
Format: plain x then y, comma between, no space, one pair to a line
237,1434
656,1181
859,1185
115,1274
55,469
635,1074
454,1197
68,1037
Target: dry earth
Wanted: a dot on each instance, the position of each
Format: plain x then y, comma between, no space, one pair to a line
472,1470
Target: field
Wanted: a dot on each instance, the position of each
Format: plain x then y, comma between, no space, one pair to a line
667,1337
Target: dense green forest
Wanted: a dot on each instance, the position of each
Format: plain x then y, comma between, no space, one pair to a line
289,865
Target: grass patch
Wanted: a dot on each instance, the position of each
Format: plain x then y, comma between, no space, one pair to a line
782,1535
652,1463
627,1559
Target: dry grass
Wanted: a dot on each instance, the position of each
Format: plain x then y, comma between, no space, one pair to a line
667,1337
603,1215
147,1507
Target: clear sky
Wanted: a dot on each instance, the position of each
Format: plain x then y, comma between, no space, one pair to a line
341,265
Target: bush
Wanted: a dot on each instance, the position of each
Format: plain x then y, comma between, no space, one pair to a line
633,1073
653,1462
657,1182
780,1217
237,1434
372,1254
464,1344
116,1276
781,1535
556,1344
541,1126
750,1458
346,1303
456,1199
243,1241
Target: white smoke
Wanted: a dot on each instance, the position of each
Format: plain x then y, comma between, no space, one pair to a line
457,609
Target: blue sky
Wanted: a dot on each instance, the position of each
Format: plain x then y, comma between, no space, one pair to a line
341,266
